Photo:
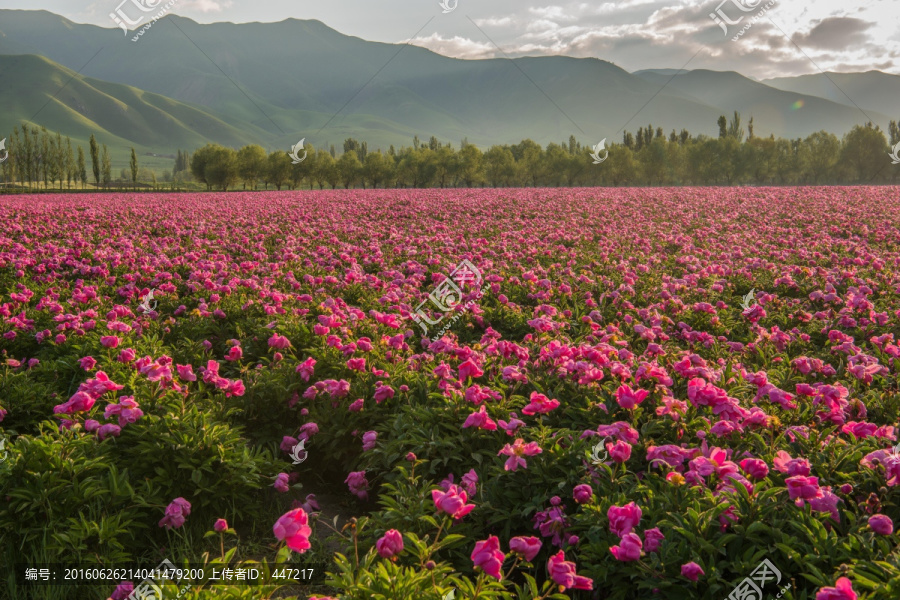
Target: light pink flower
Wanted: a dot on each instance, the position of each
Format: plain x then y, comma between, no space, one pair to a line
516,453
390,544
528,546
563,573
293,528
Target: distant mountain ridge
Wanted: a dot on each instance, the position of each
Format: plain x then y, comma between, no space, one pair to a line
274,83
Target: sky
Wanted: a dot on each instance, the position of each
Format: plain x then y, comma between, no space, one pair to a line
784,38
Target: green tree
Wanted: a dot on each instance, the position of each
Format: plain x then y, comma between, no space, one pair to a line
252,161
865,151
134,169
70,163
279,168
820,154
500,166
221,168
95,160
80,167
349,168
198,163
106,166
376,168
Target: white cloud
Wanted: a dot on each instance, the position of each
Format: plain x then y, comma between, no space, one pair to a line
456,46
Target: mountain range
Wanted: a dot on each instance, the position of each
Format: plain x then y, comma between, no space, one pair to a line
184,84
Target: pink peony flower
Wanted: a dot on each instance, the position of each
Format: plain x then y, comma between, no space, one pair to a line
109,341
292,527
805,488
582,493
390,544
563,573
185,372
281,482
629,548
220,525
513,425
527,547
488,557
306,368
843,590
469,369
516,452
279,342
692,571
629,398
480,419
653,539
358,484
234,354
369,440
122,591
881,524
622,519
539,404
176,511
87,363
620,451
755,468
452,502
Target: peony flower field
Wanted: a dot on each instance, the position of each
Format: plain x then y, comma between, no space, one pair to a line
665,393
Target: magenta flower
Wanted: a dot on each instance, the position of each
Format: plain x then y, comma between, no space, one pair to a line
488,557
293,528
122,591
87,363
176,511
582,493
108,430
281,482
539,404
384,392
653,539
513,425
469,369
452,502
126,355
620,451
563,573
390,544
185,372
358,484
234,354
127,410
629,548
306,368
357,364
692,571
622,519
755,468
480,419
279,342
369,440
881,524
109,341
843,590
220,525
629,398
800,487
516,452
527,547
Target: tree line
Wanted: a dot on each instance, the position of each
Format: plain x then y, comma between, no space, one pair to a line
645,157
36,156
